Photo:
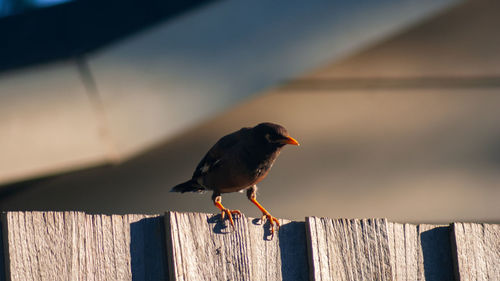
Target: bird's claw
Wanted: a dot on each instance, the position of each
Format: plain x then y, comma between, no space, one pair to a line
230,214
272,221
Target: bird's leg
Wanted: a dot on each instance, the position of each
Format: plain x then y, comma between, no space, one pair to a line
252,196
216,197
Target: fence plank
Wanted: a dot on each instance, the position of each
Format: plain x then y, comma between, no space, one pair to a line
476,251
148,250
405,255
201,248
77,246
348,249
420,252
204,248
282,258
71,246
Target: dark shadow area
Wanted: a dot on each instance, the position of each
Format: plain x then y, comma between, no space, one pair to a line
437,254
143,168
220,225
293,247
2,259
454,252
8,189
12,188
257,221
72,29
267,228
491,151
148,250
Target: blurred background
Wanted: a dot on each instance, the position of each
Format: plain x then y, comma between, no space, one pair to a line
105,105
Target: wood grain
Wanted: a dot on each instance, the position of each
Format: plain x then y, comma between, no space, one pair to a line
282,258
477,251
204,248
420,252
79,246
406,256
76,246
348,249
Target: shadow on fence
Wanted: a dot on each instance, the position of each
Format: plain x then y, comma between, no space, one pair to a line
148,249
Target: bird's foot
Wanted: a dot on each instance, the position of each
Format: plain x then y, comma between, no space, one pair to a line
272,221
229,213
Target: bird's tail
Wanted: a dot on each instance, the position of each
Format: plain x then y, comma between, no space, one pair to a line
189,186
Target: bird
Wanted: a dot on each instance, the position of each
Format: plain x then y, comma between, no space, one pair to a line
237,162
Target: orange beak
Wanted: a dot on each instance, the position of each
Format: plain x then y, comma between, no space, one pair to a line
290,140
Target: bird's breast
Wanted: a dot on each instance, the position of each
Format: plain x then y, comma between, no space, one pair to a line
237,172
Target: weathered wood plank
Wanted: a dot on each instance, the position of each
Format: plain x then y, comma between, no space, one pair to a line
348,249
282,258
204,248
420,252
476,251
76,246
403,244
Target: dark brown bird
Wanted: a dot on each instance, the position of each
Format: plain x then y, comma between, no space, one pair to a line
239,161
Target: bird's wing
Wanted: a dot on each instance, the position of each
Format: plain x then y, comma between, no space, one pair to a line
217,152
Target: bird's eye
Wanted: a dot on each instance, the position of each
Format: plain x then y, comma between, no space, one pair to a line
272,138
268,138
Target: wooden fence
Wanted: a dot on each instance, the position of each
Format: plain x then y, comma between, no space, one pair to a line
193,246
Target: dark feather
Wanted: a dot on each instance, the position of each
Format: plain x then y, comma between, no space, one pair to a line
217,151
188,186
238,160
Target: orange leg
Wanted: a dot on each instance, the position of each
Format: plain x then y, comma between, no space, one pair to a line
224,211
251,193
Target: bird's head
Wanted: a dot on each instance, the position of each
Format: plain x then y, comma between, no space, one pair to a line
273,134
